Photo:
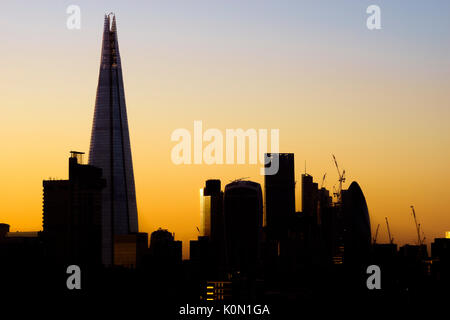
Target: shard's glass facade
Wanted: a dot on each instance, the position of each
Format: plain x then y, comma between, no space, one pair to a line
110,146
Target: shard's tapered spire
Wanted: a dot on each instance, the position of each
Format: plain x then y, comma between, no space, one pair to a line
110,145
113,25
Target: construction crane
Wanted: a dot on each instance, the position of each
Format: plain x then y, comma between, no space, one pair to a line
341,179
376,235
391,239
323,180
423,239
420,241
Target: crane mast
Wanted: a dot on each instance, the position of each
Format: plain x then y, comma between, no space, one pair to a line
376,235
341,179
323,180
419,240
391,239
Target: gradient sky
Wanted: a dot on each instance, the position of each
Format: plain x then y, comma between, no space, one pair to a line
379,100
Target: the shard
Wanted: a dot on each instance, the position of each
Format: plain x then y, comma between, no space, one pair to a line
110,146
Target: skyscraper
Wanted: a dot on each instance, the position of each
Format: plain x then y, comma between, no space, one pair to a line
110,145
212,210
210,247
72,215
280,197
243,210
309,196
357,232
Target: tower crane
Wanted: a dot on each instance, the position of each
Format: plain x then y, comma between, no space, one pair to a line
341,179
376,235
323,180
420,241
391,239
423,239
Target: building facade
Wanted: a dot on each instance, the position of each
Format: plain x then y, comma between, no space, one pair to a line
72,215
280,197
110,147
243,215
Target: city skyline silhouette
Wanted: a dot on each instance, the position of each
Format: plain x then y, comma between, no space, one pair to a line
309,232
399,141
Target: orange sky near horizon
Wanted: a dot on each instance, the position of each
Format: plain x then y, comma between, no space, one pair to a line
378,102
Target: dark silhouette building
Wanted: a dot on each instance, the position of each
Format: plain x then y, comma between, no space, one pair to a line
318,222
309,196
440,248
310,216
212,211
440,251
201,253
110,146
22,268
280,196
210,248
164,247
413,253
243,209
325,221
129,249
357,232
72,215
208,252
4,229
